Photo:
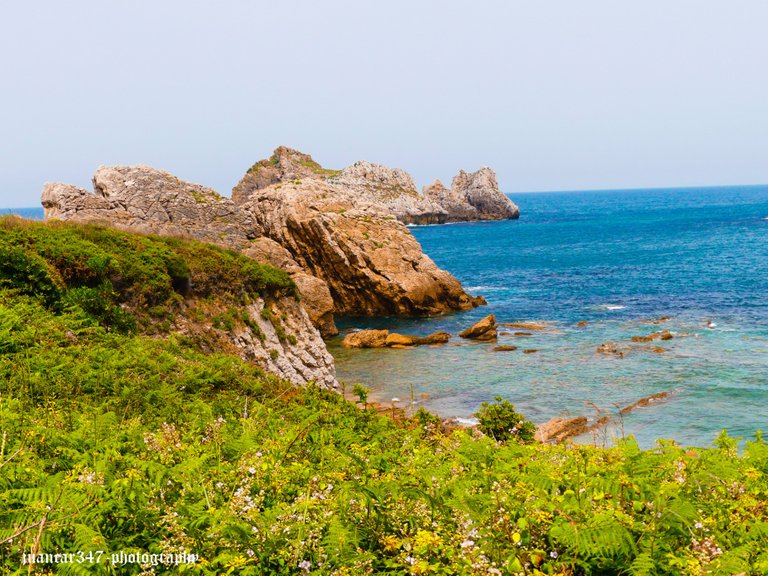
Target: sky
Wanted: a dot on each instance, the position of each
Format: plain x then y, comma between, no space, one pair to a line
552,94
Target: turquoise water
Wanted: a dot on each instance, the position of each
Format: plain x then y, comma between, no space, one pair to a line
615,259
35,213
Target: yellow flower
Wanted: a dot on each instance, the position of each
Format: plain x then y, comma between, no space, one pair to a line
425,539
390,543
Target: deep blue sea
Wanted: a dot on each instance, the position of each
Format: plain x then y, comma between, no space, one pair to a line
616,259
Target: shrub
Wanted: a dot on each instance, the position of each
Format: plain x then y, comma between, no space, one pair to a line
501,422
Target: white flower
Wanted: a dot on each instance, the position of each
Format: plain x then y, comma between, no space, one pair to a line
553,554
305,565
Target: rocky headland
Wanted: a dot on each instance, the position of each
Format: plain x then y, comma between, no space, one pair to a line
341,235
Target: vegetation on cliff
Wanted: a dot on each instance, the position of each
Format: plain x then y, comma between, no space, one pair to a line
116,441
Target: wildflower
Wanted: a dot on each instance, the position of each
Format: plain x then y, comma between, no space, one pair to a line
305,565
467,543
553,554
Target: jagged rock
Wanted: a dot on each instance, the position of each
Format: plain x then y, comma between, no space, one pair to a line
481,191
372,264
285,165
484,330
315,294
366,339
305,361
472,196
392,188
143,199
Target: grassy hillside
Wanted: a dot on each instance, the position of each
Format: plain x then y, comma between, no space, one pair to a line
117,436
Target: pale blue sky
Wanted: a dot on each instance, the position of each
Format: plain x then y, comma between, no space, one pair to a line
553,94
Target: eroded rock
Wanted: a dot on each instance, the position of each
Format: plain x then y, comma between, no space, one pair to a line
483,330
366,339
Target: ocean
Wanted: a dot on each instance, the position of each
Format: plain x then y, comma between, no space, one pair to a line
616,260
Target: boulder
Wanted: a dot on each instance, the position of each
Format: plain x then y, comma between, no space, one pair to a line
400,340
438,337
366,339
484,330
504,348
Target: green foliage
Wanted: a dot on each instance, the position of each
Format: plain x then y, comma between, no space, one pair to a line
501,422
117,441
126,281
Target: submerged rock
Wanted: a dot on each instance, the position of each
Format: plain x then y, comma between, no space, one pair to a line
645,402
504,348
483,330
610,348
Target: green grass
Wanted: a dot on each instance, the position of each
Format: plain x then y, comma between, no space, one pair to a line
118,441
126,281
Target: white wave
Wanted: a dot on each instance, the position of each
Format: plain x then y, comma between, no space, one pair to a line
467,421
611,307
474,288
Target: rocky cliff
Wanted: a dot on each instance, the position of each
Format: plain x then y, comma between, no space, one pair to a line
369,260
345,249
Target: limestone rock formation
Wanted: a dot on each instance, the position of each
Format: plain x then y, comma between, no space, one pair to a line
483,330
337,233
371,263
301,361
392,188
481,191
315,294
285,165
143,199
473,196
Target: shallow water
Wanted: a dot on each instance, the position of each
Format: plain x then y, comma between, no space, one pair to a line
615,259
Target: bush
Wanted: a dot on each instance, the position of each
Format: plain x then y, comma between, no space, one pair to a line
501,422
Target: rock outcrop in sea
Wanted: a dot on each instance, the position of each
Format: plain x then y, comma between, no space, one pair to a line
472,196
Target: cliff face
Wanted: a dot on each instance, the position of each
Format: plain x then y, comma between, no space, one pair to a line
370,262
